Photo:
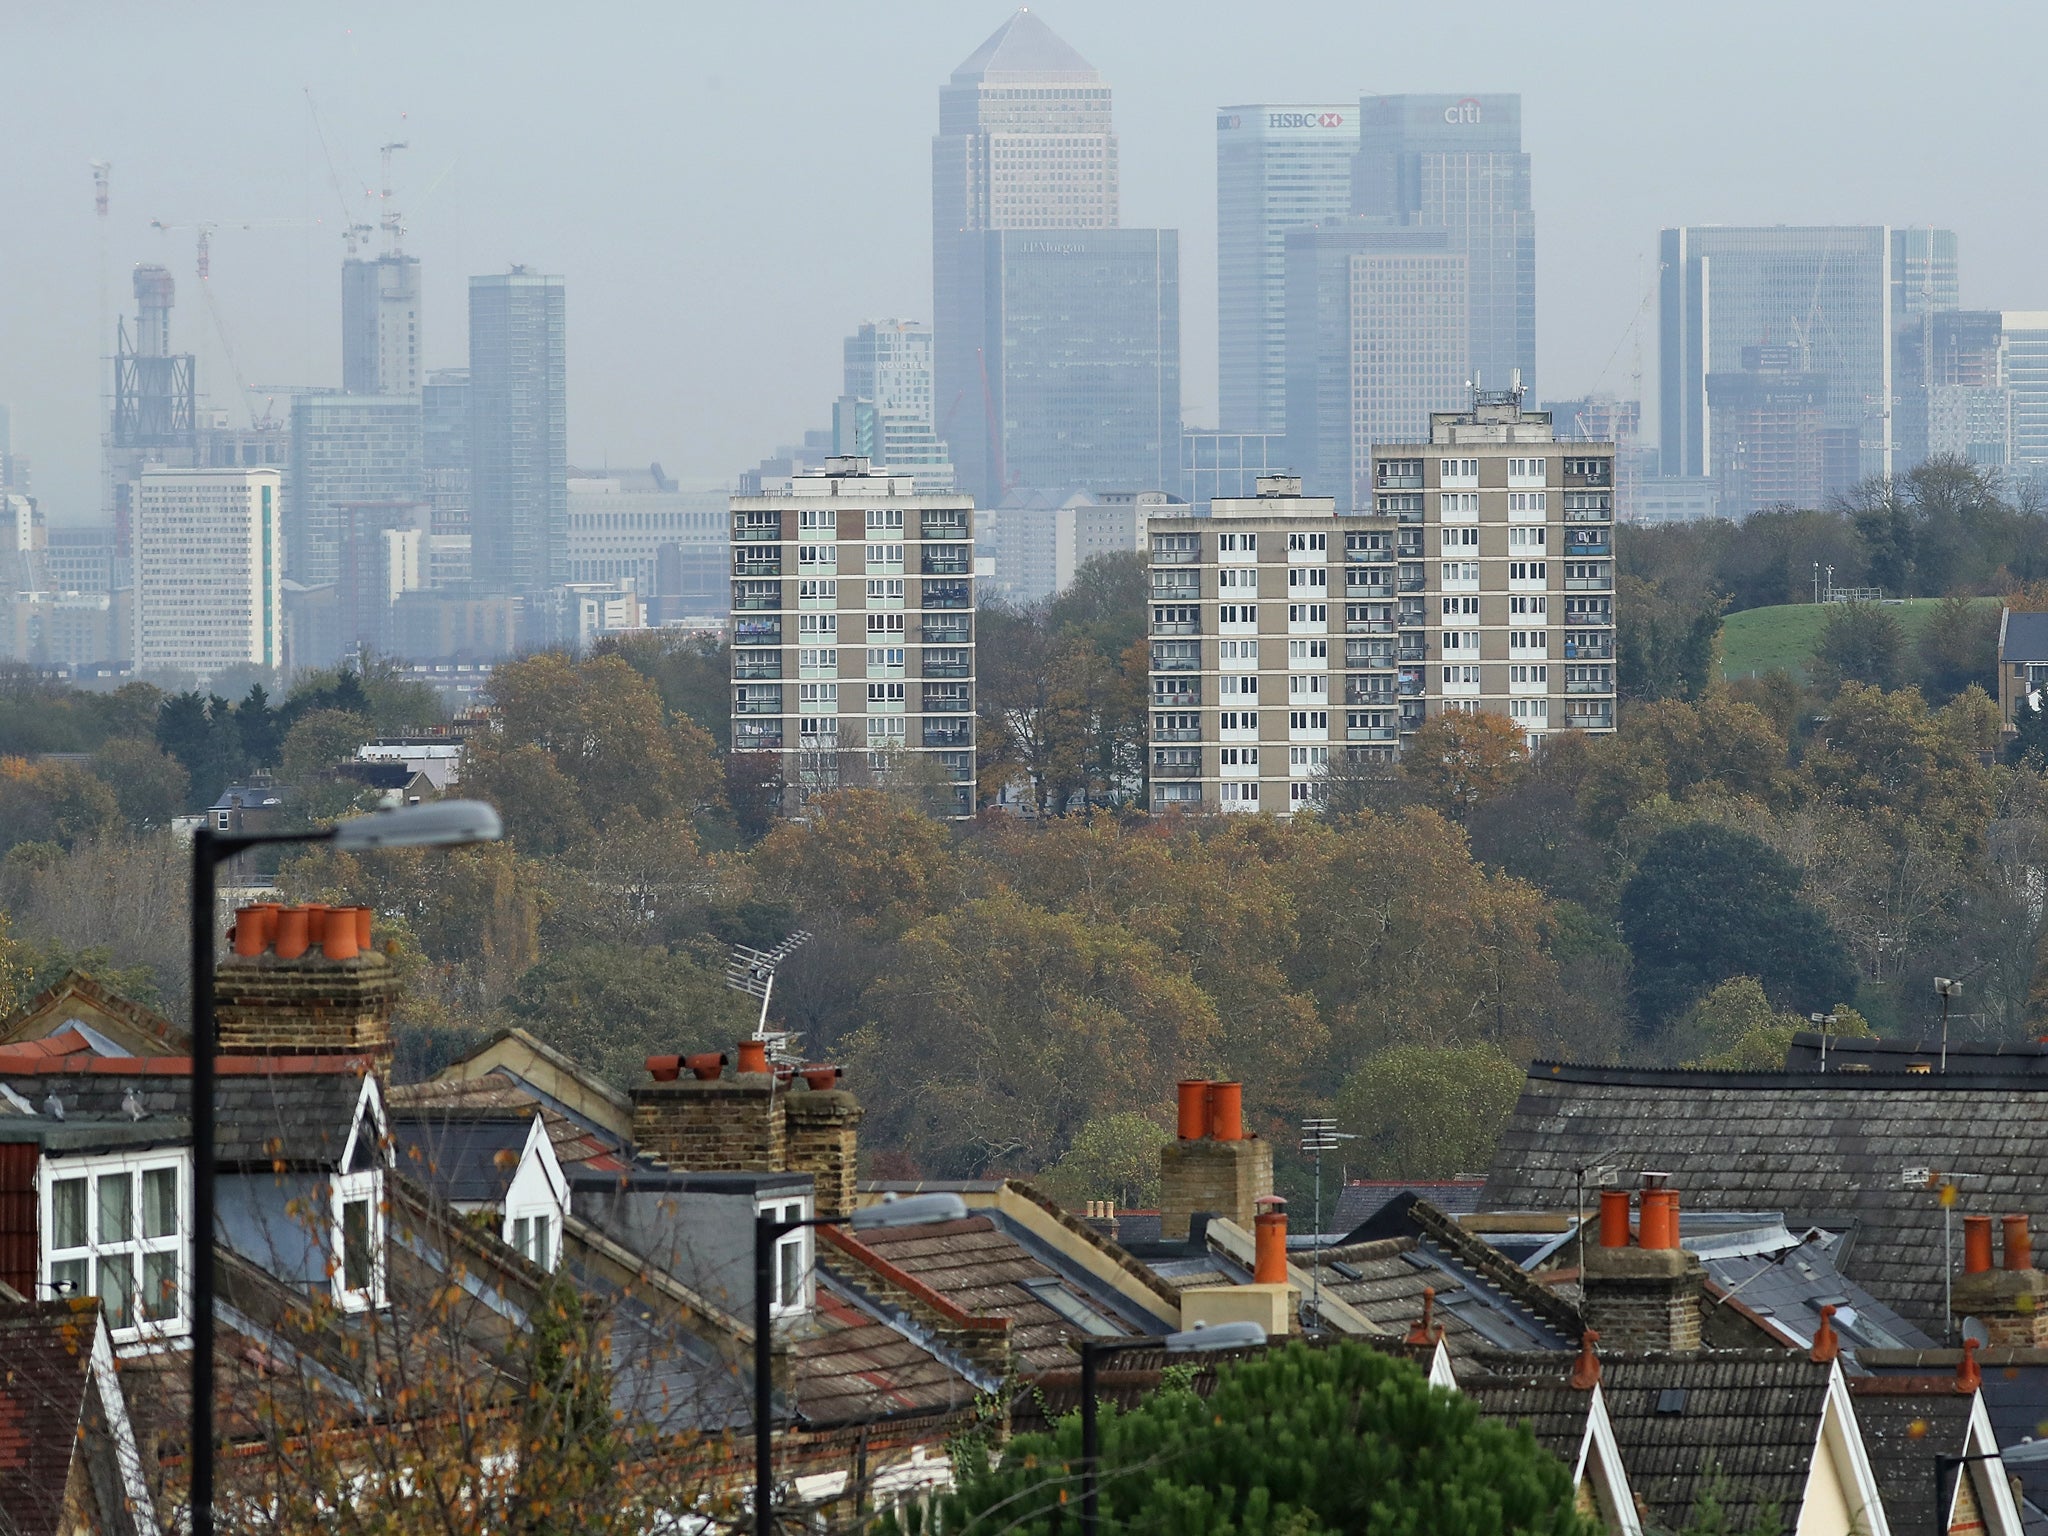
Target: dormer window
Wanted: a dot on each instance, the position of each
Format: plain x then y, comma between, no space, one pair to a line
357,1235
791,1272
113,1227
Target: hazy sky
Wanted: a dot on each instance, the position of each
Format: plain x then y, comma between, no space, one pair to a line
729,189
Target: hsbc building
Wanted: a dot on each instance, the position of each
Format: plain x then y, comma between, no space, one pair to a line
1277,166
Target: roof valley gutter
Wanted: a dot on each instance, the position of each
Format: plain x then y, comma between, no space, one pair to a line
901,1322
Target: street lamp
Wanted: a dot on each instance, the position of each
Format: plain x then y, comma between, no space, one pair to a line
442,823
1320,1135
1191,1341
1945,989
768,1227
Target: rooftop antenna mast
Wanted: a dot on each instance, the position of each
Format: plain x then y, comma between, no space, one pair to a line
394,232
752,971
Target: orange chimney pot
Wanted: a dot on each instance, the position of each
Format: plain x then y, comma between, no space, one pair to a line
706,1065
1226,1111
1827,1344
1976,1244
338,934
1586,1369
1613,1218
1269,1264
1194,1109
2019,1246
753,1056
362,928
1969,1375
665,1069
291,932
1657,1224
1419,1334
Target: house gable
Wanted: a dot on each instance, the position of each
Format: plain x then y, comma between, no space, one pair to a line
75,998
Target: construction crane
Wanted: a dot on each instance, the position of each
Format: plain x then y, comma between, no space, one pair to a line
353,231
387,217
204,231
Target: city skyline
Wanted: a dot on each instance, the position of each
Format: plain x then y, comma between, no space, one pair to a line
481,189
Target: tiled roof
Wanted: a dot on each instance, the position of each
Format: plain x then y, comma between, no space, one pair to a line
299,1110
1829,1151
493,1093
984,1271
1362,1199
1741,1425
1789,1289
146,1022
1385,1280
857,1367
2015,1396
461,1157
2024,637
45,1370
1554,1410
1906,1422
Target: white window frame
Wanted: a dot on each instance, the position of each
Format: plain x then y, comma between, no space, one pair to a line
792,1256
885,519
1237,618
818,624
811,520
1454,540
344,1190
534,1226
1239,578
92,1169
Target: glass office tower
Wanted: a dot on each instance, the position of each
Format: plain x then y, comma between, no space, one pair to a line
519,431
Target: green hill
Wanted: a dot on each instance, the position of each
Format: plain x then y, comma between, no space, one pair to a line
1760,640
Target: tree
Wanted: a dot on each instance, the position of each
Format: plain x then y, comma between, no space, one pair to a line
1736,1029
611,1006
1113,1157
1886,756
1708,902
1293,1442
320,741
1424,1113
864,858
1958,647
1457,760
149,785
1860,643
2029,745
52,802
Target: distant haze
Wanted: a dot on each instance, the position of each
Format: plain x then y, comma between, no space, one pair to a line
729,190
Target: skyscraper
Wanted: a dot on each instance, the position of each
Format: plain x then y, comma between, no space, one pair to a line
519,431
380,325
1377,332
346,449
1024,142
208,577
1455,163
1277,167
1829,291
889,368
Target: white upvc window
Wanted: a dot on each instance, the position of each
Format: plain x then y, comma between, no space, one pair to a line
1239,797
1241,686
1308,685
1307,762
1460,575
817,661
1528,678
1308,618
1304,577
1239,579
1239,650
886,590
1237,618
1521,540
885,559
1308,725
1308,653
1304,548
824,520
1238,762
1529,607
1463,679
1237,546
817,698
1461,608
1458,507
884,624
357,1213
813,557
1527,471
1238,724
115,1227
1457,472
1527,643
789,1274
824,626
1528,506
820,592
1461,642
885,520
1459,540
1528,573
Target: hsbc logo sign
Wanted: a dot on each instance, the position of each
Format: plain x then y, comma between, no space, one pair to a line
1461,112
1304,119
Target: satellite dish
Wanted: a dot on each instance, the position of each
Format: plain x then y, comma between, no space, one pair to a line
1974,1330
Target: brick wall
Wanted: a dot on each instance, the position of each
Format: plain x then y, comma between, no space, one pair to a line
820,1130
1224,1178
309,1006
724,1126
1643,1298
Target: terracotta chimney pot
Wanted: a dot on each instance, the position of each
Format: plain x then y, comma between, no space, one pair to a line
291,932
665,1069
1976,1245
1586,1369
338,934
1269,1265
362,928
1226,1111
1194,1109
1613,1218
1969,1375
1419,1334
1827,1344
821,1078
753,1056
2019,1246
708,1066
250,938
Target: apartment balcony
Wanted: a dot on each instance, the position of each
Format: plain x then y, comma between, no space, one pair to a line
945,594
1583,687
949,733
1589,583
1589,652
1175,556
1412,583
1176,770
949,706
757,706
1412,653
1368,626
946,634
768,669
1573,550
770,533
757,632
1408,551
748,562
944,525
764,741
1176,592
1176,733
1589,719
943,669
1408,687
1178,627
1593,481
1369,698
1398,482
933,563
1589,514
771,604
1177,698
1369,733
1381,587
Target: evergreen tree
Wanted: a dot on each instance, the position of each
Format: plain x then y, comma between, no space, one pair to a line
2030,746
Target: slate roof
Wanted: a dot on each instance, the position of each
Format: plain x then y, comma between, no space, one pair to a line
45,1390
1906,1422
146,1022
574,1142
2015,1388
1024,48
295,1109
1362,1199
1553,1409
2022,636
985,1271
1742,1424
462,1157
857,1366
1789,1289
1827,1150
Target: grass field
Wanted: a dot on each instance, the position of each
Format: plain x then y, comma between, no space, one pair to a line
1760,640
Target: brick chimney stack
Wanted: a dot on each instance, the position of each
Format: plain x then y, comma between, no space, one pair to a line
1213,1166
754,1121
304,981
1646,1296
2010,1301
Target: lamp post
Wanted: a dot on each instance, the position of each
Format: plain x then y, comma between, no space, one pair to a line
1945,989
443,823
1191,1341
768,1228
1320,1135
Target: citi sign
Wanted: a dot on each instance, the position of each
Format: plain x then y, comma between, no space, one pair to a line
1304,119
1466,111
